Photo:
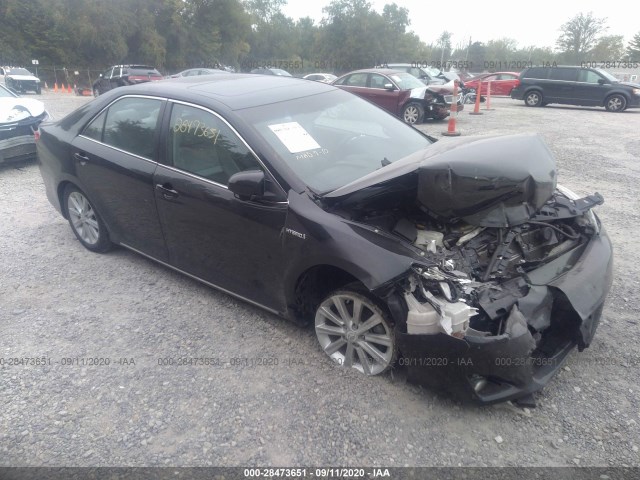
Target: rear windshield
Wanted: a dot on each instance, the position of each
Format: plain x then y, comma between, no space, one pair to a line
141,70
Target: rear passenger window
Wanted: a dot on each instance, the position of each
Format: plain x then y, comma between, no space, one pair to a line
536,72
128,124
565,74
202,144
95,128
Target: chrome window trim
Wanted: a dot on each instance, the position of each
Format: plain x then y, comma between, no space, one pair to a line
228,292
155,162
150,97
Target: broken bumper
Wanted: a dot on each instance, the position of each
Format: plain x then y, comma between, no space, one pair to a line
492,369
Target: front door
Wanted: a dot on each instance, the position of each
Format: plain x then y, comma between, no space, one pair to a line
233,244
588,91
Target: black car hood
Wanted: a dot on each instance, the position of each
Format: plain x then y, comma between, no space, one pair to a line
630,84
486,181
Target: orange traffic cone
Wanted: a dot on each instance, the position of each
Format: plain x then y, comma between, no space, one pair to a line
451,127
476,108
55,87
488,105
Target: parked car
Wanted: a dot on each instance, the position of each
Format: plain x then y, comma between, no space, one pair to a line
501,83
271,71
399,93
19,119
460,260
121,75
21,80
320,77
574,85
191,72
427,75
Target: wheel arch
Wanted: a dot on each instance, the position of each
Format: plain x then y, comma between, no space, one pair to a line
313,285
622,93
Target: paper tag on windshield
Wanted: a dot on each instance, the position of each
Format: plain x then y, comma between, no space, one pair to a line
294,137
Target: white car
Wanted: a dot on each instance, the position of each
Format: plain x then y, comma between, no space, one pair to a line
21,80
19,120
321,77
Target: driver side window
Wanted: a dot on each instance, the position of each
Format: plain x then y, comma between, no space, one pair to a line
202,144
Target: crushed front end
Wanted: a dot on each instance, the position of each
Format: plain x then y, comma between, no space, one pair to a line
511,270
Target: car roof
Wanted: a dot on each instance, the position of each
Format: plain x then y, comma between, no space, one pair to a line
234,90
385,71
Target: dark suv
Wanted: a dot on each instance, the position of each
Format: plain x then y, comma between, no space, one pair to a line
120,75
593,87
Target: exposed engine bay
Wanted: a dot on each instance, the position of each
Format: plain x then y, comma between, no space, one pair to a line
478,273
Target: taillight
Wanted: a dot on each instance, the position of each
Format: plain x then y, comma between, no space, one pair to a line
139,78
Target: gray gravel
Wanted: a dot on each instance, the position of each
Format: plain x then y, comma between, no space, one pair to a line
61,301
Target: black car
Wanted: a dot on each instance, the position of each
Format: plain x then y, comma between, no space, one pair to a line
121,75
574,85
460,260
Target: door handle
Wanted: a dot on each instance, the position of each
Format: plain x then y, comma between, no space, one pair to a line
83,159
167,191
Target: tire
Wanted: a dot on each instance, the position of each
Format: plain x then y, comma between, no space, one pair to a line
413,113
615,103
85,221
533,98
355,331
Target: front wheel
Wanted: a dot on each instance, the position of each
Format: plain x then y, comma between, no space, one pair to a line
413,113
85,222
615,103
355,332
533,99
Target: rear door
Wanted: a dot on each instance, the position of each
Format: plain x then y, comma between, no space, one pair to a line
233,244
561,85
115,157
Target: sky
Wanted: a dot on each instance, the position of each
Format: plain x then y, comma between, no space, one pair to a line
528,22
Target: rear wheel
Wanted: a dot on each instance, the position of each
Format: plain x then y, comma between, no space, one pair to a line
85,222
533,99
615,103
355,331
413,113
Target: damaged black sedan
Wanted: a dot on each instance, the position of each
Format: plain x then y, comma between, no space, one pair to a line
462,261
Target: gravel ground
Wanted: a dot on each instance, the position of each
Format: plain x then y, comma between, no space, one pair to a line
60,301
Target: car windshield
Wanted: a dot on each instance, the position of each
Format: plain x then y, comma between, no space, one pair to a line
19,71
406,81
282,73
607,75
332,139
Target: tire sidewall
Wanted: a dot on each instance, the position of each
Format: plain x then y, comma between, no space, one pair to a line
420,109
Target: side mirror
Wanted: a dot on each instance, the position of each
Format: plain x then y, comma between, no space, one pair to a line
389,86
247,185
602,81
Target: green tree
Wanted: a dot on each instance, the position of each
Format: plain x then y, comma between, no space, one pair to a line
579,36
633,49
610,47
